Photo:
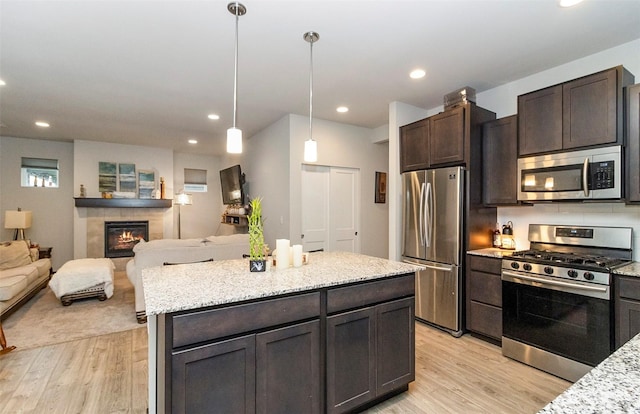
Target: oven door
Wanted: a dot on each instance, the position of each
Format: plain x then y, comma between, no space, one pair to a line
556,318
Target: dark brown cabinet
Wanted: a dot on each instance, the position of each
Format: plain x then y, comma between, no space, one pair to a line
272,355
633,144
370,349
627,309
414,147
484,296
584,112
449,138
500,161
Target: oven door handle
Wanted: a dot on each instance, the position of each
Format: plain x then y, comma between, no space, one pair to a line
553,282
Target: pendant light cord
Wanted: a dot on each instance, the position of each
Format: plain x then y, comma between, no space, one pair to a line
235,75
311,92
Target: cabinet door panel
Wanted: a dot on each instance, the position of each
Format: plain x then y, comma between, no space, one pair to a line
288,369
395,352
220,375
414,146
500,161
446,138
540,121
633,143
351,362
590,110
627,320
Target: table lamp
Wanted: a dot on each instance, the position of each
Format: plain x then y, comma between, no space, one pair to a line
17,220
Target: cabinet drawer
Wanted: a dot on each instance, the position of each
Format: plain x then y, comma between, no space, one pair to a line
628,287
194,327
485,319
484,264
365,294
485,287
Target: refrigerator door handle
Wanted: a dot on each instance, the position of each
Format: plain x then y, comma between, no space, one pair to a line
428,215
420,215
438,267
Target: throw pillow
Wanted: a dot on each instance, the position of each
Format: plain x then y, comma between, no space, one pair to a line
14,254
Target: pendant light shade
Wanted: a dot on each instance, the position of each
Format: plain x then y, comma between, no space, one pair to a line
311,146
234,135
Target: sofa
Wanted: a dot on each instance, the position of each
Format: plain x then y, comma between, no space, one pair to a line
22,275
175,251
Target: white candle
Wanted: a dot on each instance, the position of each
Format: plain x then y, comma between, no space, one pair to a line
297,255
282,253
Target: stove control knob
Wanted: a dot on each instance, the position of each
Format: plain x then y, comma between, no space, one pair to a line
588,275
572,273
527,267
515,265
548,270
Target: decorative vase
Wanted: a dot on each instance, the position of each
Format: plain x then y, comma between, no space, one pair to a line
257,265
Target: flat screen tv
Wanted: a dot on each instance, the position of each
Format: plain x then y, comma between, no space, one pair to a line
231,181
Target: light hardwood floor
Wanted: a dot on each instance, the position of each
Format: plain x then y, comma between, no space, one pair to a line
108,374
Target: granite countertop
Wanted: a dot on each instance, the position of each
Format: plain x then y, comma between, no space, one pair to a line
492,252
611,387
632,269
191,286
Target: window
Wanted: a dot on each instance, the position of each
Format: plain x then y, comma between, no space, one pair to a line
39,172
195,181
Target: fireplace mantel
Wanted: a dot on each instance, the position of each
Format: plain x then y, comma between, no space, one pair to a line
122,202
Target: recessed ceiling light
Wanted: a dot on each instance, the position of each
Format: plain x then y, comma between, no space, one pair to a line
568,3
42,124
192,141
417,74
2,83
342,109
215,117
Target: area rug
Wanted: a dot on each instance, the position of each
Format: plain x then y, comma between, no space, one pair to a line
44,321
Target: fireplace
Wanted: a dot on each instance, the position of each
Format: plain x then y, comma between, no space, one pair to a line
120,237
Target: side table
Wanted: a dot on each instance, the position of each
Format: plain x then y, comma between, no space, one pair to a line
44,252
3,342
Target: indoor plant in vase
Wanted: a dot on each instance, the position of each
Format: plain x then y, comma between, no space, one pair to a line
257,248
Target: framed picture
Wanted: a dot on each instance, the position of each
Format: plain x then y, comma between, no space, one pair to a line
381,187
146,183
127,178
107,177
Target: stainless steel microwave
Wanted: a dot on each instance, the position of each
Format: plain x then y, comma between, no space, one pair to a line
590,174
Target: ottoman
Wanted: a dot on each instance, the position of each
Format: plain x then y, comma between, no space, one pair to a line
83,278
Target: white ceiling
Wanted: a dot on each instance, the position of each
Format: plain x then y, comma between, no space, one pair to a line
149,72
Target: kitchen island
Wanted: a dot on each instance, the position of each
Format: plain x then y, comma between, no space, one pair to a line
331,336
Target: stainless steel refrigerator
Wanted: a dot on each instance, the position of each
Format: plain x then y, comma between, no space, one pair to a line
432,220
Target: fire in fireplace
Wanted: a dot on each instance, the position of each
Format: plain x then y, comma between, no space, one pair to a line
120,237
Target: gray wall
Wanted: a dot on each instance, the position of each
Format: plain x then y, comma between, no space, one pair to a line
52,207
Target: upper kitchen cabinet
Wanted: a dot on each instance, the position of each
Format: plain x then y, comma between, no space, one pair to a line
584,112
633,144
414,150
499,161
450,138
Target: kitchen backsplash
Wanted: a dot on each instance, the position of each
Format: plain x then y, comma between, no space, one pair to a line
578,214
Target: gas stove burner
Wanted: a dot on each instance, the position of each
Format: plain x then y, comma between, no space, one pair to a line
569,259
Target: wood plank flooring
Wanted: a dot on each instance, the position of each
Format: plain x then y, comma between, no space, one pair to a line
108,374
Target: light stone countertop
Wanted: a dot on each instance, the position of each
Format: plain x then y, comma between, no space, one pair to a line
191,286
632,269
491,252
611,387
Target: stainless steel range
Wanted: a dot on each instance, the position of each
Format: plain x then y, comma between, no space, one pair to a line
557,312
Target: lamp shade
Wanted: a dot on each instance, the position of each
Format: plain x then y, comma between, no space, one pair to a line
310,151
234,140
17,219
184,199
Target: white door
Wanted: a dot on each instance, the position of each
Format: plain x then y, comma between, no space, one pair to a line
344,196
315,207
330,208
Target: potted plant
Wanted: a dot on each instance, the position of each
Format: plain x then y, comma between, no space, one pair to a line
257,248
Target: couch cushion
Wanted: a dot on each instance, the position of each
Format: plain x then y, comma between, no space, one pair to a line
168,244
43,265
14,254
11,286
230,239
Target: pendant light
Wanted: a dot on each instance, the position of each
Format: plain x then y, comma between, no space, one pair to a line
234,135
311,146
